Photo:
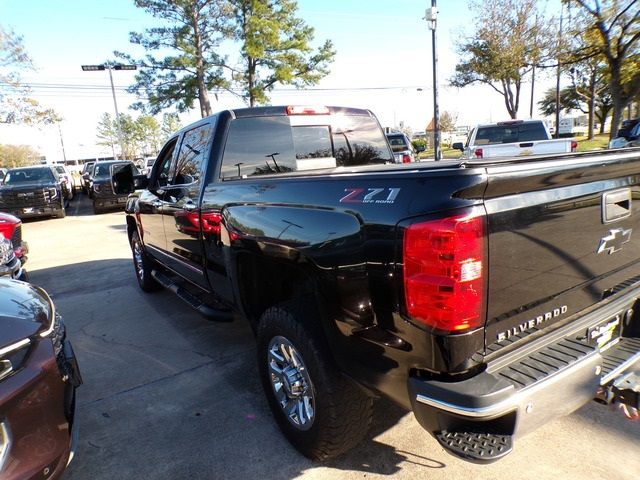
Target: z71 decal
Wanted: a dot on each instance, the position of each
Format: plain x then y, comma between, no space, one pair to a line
370,195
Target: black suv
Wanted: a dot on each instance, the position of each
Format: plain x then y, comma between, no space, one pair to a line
33,192
101,190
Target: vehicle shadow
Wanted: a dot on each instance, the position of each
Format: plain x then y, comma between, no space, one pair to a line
169,394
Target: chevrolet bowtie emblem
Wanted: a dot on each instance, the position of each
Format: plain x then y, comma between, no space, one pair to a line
614,241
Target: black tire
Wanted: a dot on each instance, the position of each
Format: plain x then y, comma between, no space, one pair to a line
142,265
341,412
61,213
96,210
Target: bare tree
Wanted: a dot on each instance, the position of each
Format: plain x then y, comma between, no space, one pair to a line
510,39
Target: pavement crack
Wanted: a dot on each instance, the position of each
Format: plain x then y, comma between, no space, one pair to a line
146,384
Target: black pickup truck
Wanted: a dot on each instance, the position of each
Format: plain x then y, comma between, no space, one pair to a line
488,297
34,191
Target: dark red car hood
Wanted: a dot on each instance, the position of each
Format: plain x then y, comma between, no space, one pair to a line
25,310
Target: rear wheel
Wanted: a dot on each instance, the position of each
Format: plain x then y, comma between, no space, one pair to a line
143,265
321,413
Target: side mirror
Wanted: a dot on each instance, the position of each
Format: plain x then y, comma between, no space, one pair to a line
458,146
420,148
124,181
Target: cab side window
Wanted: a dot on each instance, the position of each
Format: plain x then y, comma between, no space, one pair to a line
162,166
191,158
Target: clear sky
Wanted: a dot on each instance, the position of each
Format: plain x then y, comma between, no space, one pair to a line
383,58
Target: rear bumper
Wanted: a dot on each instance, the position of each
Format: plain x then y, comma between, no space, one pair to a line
548,378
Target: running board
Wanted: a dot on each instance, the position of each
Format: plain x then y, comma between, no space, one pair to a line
193,300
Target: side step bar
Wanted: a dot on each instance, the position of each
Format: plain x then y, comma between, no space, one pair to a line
193,300
476,447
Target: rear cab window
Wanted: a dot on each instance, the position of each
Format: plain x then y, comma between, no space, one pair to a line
511,133
289,143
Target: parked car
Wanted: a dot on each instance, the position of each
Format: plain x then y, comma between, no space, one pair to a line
631,138
511,139
33,192
11,230
148,165
10,265
403,149
101,190
627,126
39,376
487,297
87,168
67,178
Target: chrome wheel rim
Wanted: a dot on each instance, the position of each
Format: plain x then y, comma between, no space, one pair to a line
291,383
137,259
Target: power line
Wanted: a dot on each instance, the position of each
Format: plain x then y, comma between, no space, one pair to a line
125,89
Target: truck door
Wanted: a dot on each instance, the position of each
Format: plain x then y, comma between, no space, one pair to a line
181,212
151,200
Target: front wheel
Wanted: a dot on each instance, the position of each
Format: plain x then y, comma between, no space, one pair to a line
143,265
320,412
61,213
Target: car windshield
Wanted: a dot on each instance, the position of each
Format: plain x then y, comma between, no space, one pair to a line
27,175
103,170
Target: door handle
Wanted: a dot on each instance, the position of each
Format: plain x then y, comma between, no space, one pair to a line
616,205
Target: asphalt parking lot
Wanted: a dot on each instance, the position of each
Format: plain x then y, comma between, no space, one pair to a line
170,395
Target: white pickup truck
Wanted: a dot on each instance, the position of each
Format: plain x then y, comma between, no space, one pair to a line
511,139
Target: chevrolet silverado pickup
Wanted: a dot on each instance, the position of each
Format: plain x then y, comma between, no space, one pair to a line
513,138
486,296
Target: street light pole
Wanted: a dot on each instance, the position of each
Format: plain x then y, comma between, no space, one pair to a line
113,92
431,18
110,67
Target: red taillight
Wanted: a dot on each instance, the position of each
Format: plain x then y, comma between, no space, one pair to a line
444,272
306,110
406,158
574,145
478,152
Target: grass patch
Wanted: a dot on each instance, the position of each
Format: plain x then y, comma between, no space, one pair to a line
599,142
447,153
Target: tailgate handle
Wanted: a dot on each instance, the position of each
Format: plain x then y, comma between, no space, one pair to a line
616,205
526,145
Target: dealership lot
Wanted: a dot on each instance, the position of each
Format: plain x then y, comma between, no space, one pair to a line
170,395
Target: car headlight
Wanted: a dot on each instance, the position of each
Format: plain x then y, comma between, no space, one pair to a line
6,250
53,193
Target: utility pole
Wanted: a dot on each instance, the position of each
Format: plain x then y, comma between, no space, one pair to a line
110,67
533,82
64,155
557,132
431,18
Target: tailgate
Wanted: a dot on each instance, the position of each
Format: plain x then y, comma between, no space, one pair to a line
538,147
563,235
